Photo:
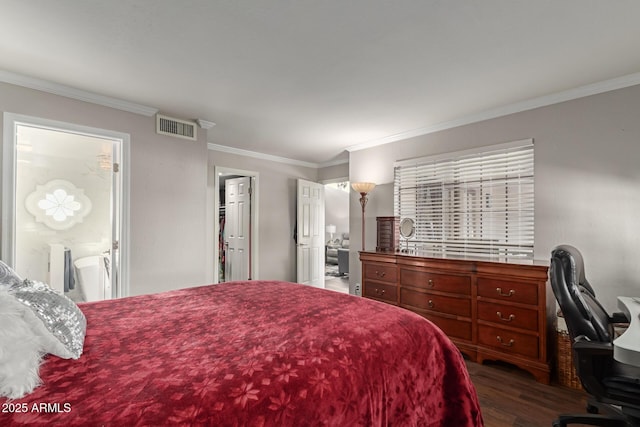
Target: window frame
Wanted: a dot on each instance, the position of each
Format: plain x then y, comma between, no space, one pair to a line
477,202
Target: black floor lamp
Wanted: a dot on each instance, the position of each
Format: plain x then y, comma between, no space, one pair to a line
363,188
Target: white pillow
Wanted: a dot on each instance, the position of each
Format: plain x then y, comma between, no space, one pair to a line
20,349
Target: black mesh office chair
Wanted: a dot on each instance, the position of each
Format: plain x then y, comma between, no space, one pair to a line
613,386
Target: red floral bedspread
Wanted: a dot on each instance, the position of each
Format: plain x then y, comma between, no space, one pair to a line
257,353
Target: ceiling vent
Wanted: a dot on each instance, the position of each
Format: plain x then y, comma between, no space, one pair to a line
176,127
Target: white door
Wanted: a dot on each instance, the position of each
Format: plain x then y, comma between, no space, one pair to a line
237,228
310,233
66,206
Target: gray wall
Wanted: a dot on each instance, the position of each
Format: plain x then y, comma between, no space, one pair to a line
587,181
168,188
331,173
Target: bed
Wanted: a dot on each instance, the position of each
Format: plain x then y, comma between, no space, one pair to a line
256,353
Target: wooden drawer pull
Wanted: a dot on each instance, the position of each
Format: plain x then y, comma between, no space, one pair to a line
430,284
430,303
505,319
509,344
379,274
499,291
379,291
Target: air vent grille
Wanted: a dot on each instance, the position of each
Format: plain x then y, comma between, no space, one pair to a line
176,127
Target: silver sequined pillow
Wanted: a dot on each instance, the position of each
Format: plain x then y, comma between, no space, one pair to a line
55,317
8,277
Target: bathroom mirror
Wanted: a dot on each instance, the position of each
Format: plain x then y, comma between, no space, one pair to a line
407,228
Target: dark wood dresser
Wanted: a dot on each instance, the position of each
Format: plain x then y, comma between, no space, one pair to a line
490,310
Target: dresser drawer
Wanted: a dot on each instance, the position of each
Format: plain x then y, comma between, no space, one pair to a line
508,341
381,291
436,303
508,315
380,272
453,328
507,290
436,281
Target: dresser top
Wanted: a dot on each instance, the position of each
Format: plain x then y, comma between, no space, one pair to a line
477,259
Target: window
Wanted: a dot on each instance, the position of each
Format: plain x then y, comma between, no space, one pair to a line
470,203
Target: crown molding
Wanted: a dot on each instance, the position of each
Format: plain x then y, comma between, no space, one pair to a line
73,93
530,104
263,156
254,154
205,124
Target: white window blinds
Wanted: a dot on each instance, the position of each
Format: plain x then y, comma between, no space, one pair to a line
471,203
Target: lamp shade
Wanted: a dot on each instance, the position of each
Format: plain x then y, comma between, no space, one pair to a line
331,228
363,187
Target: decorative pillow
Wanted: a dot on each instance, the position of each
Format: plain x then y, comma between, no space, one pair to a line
8,277
54,317
20,349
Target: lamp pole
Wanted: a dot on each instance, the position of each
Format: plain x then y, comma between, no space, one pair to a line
363,188
363,203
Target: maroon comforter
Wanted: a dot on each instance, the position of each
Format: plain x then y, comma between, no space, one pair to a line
255,353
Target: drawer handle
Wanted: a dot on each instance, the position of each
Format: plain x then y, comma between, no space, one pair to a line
499,291
379,291
430,284
430,303
380,274
507,319
508,344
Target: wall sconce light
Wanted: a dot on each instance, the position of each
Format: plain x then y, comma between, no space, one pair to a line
363,188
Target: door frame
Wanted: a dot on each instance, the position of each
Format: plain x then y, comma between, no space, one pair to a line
255,235
9,159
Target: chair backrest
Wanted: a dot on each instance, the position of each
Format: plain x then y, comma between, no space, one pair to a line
582,312
579,268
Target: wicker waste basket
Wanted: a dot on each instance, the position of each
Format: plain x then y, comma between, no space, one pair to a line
564,355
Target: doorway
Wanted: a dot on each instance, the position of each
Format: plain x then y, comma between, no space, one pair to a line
337,235
236,225
65,189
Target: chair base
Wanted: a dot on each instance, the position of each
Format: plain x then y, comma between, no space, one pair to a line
613,418
592,420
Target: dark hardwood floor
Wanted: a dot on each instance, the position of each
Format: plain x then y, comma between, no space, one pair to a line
511,397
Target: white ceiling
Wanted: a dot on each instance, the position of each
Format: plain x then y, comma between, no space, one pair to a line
308,79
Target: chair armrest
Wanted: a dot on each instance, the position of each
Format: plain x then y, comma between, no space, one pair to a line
592,348
618,318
